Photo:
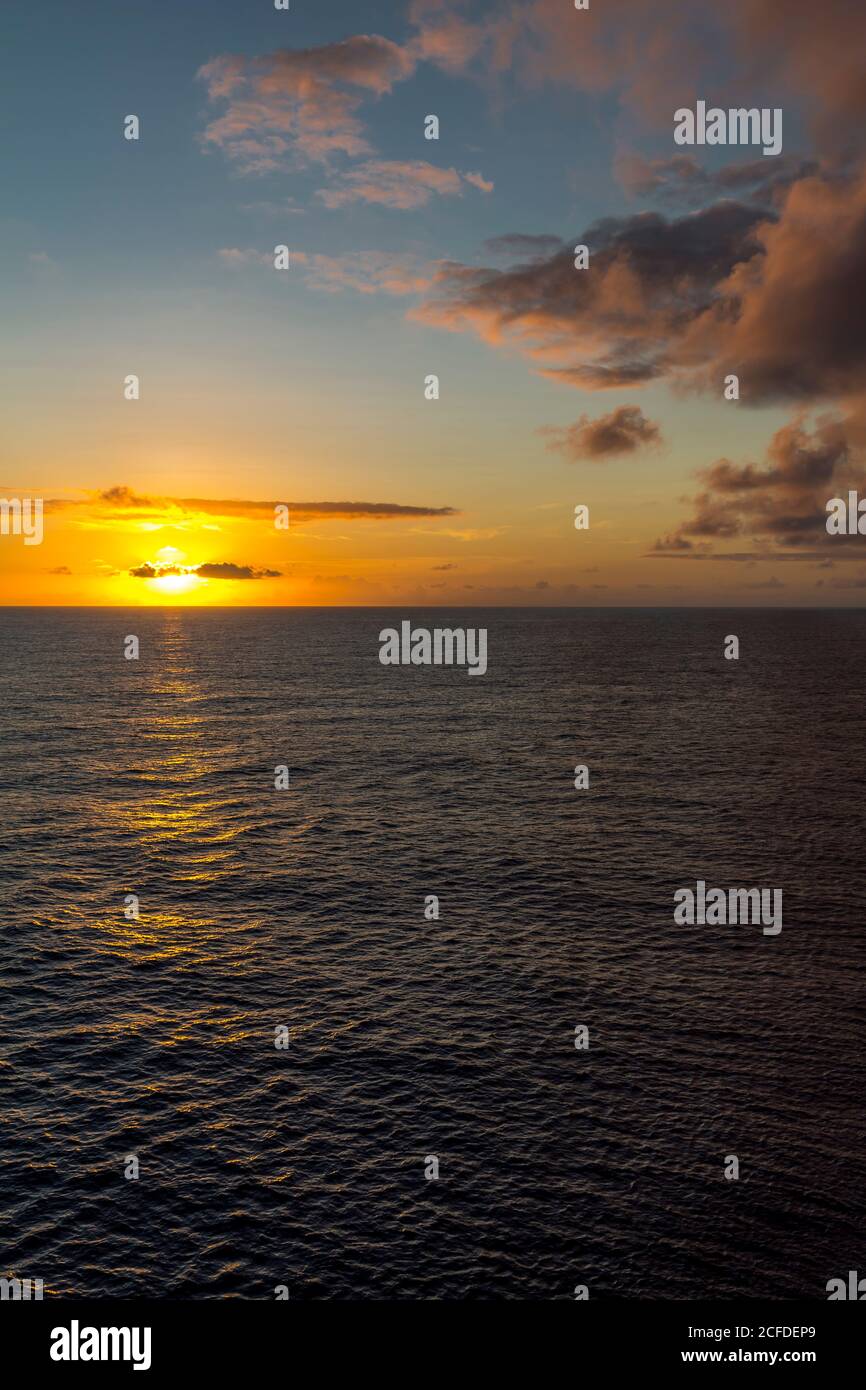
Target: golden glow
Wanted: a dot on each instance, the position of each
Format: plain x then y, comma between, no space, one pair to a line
171,585
95,552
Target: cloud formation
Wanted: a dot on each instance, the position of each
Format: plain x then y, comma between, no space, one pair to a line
621,321
404,184
659,56
775,297
623,431
780,503
301,103
217,570
682,178
367,272
301,107
123,501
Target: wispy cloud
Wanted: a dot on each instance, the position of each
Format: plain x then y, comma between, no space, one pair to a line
367,272
122,501
301,104
404,184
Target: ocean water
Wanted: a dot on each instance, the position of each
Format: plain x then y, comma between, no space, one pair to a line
412,1038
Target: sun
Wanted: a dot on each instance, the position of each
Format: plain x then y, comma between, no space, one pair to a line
174,584
178,579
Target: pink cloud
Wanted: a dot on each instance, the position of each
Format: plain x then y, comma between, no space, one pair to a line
303,102
405,184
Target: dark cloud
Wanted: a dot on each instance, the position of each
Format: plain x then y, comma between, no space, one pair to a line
123,500
215,570
682,178
781,502
667,545
229,571
776,297
789,322
623,431
620,322
122,496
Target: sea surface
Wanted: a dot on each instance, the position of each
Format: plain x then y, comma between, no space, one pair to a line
412,1038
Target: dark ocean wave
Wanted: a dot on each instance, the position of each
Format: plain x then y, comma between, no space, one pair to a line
154,1036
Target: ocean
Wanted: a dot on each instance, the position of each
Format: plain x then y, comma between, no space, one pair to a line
411,1038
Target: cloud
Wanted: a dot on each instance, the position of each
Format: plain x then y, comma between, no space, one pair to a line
781,502
444,36
623,431
518,246
122,501
122,496
682,178
821,59
788,320
367,272
238,257
229,571
148,571
220,570
621,322
480,182
776,297
668,545
657,57
643,52
404,184
301,107
487,533
300,104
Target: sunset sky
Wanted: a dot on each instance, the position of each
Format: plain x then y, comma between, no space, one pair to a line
412,257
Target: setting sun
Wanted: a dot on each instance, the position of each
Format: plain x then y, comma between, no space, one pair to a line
175,584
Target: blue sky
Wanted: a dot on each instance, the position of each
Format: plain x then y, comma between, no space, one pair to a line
153,257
